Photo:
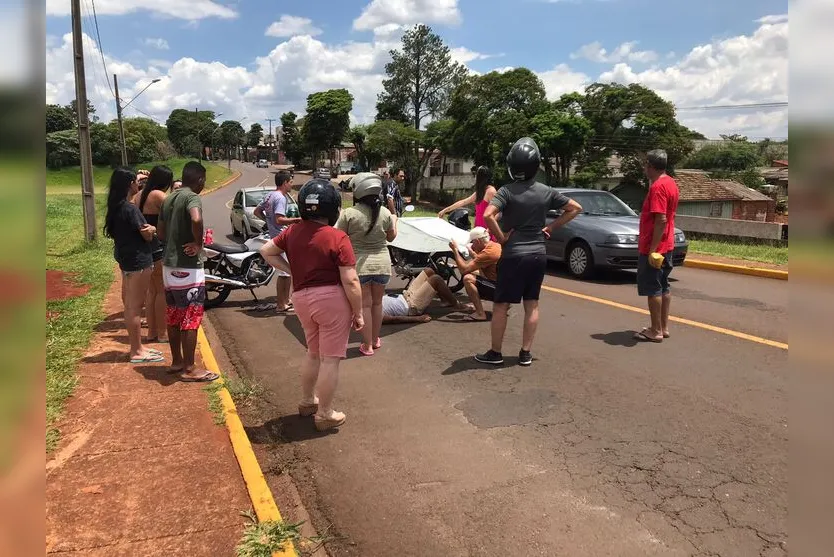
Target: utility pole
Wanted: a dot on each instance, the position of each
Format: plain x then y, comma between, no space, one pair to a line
87,193
271,139
119,117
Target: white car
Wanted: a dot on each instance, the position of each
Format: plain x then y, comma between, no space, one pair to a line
263,163
244,221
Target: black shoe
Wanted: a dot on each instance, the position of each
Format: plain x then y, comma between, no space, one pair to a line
491,357
525,358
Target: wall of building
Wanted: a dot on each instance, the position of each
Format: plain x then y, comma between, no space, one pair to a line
714,209
762,211
463,181
729,227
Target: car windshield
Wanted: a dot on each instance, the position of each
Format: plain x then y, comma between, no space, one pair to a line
253,198
600,203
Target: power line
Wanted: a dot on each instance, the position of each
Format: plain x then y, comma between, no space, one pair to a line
101,49
154,118
780,104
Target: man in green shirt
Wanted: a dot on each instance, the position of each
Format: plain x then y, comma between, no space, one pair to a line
181,226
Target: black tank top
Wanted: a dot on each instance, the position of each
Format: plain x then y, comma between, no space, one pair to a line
157,247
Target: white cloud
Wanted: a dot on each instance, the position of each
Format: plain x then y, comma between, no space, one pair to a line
811,71
773,19
463,55
407,12
159,44
290,26
561,80
626,51
178,9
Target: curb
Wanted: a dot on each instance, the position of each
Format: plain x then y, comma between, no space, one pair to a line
738,269
237,174
259,493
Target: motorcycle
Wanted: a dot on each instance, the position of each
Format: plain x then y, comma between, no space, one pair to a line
235,267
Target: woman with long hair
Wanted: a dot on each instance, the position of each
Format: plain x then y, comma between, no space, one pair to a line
370,227
132,237
150,201
483,194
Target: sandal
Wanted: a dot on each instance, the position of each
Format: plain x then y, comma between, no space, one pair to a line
378,344
307,409
643,337
366,350
474,319
323,424
208,377
149,359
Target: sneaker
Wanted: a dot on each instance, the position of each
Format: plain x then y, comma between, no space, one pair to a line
491,357
525,358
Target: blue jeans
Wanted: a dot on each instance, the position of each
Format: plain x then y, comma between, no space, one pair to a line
375,279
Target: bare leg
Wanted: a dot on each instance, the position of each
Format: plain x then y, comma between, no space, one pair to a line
282,287
655,310
666,304
309,376
155,304
499,325
377,292
326,386
469,283
367,315
531,323
189,347
443,291
135,289
175,342
406,319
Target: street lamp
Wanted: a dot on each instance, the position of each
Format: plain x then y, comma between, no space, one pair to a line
119,109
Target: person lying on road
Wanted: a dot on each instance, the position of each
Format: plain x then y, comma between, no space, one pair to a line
410,306
481,286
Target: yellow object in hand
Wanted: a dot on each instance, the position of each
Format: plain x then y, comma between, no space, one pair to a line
656,260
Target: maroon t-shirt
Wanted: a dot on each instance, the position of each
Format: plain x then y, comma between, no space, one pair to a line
316,251
662,198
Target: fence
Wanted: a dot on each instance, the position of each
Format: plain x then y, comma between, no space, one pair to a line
733,228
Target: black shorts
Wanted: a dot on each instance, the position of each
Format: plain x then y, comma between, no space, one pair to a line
520,278
650,281
486,288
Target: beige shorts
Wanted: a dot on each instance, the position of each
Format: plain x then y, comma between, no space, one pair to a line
419,294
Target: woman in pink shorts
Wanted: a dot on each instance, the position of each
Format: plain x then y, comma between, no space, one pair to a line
327,295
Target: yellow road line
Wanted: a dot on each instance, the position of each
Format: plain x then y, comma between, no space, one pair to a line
259,492
738,269
698,324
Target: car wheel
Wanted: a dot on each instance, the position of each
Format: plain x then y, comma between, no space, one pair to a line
235,232
580,260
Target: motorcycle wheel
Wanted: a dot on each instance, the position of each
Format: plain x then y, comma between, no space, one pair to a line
216,294
446,267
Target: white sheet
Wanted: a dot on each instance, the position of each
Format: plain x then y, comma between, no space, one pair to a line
427,235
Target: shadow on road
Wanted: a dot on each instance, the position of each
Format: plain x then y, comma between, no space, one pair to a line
286,429
469,363
617,338
158,373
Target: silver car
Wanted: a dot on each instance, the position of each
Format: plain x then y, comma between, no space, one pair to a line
244,221
605,234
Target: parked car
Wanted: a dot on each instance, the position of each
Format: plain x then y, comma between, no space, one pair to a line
604,236
262,163
244,222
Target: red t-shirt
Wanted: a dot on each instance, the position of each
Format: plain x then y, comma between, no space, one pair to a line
315,251
662,198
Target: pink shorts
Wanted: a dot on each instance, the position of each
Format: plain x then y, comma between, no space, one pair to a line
326,316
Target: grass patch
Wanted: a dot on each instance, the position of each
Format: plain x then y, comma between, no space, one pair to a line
262,539
68,180
244,391
777,255
68,334
214,403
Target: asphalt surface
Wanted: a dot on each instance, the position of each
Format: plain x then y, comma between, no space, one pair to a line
605,446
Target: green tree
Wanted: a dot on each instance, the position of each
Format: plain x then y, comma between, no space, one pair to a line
421,76
142,136
254,135
232,135
491,112
395,141
62,149
190,146
183,123
104,143
731,156
91,111
392,107
292,142
366,157
561,136
327,120
59,118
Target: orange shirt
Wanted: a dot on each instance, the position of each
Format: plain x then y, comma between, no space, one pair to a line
487,261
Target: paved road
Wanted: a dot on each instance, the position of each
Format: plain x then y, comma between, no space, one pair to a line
603,447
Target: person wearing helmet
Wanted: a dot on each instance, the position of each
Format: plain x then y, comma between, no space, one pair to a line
327,296
523,205
274,209
370,227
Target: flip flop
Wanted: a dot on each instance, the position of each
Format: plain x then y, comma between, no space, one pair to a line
643,337
265,307
665,335
149,359
207,378
366,351
474,319
378,344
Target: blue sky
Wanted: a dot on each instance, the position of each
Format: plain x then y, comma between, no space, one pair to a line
694,53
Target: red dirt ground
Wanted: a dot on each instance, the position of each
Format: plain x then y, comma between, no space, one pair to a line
61,285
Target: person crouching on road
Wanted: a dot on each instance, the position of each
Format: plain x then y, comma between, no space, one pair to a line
327,297
370,227
481,286
273,210
523,205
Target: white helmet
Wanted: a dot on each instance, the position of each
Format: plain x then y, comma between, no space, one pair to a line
365,184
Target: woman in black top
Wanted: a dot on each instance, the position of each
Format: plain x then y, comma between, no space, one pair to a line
132,237
150,201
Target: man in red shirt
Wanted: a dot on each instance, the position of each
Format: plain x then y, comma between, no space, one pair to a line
656,244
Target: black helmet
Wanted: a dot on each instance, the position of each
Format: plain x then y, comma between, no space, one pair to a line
318,199
524,159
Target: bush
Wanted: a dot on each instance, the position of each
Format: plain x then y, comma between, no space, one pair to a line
782,206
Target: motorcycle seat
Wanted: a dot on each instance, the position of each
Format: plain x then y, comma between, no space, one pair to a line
225,248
